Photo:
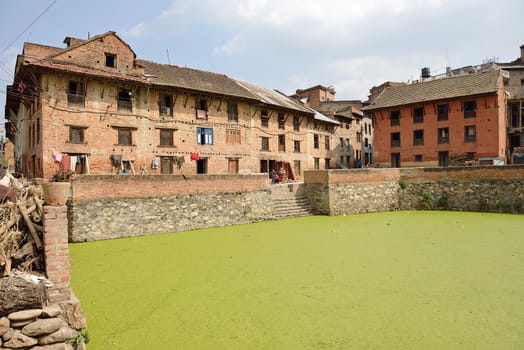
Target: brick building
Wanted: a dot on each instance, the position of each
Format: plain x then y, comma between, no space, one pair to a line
441,120
97,109
515,87
353,136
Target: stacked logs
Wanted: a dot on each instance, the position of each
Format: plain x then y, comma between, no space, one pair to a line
21,229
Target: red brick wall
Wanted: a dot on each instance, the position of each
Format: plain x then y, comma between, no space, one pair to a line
56,252
489,122
120,186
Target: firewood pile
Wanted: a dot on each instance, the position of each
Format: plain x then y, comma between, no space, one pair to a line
461,160
21,230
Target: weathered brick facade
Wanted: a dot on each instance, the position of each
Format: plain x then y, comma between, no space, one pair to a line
97,106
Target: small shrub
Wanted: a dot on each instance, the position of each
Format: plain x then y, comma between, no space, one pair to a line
402,184
443,202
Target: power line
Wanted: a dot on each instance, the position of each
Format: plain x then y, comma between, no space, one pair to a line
27,28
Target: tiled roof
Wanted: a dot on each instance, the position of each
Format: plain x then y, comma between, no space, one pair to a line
437,89
273,97
193,79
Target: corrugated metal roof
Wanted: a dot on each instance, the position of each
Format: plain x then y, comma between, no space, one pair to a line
438,89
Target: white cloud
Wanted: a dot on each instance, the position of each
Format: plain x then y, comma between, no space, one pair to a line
351,45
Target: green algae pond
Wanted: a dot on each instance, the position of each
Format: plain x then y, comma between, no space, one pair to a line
395,280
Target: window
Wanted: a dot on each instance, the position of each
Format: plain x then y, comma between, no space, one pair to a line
281,121
316,162
326,143
359,137
315,141
166,137
124,100
347,143
264,143
418,115
296,146
470,108
110,60
264,118
201,108
76,134
233,136
75,94
232,166
125,136
341,142
470,133
418,137
296,123
443,135
442,112
366,142
394,118
395,139
327,162
281,143
204,136
232,112
166,105
418,157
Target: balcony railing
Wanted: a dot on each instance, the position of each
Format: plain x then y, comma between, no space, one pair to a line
76,99
125,105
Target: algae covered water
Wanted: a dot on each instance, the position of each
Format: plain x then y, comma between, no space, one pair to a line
397,280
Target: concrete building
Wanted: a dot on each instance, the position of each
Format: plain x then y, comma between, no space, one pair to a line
441,121
97,109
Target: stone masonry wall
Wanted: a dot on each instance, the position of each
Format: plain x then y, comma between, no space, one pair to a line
494,189
105,207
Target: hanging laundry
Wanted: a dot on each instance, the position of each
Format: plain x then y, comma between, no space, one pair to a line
58,157
195,156
117,160
154,164
66,162
73,160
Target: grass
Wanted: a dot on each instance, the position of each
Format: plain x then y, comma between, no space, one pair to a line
397,280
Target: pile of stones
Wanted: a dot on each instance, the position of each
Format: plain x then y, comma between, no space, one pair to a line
39,329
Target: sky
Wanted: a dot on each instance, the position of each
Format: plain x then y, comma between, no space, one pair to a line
350,45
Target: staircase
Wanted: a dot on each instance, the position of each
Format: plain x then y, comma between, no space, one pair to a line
288,200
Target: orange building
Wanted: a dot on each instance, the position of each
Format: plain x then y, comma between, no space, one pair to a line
441,121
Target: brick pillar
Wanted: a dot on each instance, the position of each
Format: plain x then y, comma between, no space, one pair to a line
56,250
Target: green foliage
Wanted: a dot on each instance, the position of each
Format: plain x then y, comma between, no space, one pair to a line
402,184
62,174
428,197
443,202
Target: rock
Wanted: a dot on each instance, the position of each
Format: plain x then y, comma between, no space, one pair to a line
57,346
8,335
24,315
4,325
72,314
43,326
51,311
62,335
20,324
20,341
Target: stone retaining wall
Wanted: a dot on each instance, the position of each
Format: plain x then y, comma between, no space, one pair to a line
49,328
493,189
158,204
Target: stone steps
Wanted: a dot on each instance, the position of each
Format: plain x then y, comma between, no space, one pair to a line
288,201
